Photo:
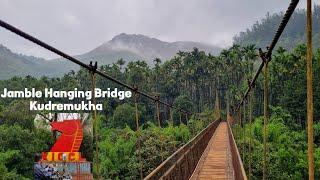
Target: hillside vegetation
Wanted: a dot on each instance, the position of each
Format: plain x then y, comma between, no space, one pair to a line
127,47
189,81
262,32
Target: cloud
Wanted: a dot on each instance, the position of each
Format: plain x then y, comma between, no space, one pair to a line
77,26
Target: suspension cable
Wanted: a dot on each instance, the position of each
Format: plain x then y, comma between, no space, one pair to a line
236,125
244,131
265,118
95,123
158,110
171,115
273,43
310,92
251,96
138,134
240,126
159,124
266,57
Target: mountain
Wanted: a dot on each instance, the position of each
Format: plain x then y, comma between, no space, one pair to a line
148,48
129,47
12,64
132,47
262,32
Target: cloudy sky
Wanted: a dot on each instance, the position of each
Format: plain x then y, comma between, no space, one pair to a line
77,26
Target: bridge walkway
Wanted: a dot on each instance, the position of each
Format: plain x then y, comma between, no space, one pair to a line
216,161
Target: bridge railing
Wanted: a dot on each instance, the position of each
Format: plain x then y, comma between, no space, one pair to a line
181,164
239,172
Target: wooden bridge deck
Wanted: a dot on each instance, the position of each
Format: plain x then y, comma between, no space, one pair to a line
216,161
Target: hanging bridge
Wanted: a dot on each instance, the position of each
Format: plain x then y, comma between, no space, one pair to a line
213,153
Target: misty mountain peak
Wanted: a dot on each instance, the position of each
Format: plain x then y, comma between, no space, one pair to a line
130,47
148,48
132,38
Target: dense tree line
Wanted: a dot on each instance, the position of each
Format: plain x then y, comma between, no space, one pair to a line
287,147
185,81
190,81
262,31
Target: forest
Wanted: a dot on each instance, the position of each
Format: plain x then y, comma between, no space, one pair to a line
190,81
262,31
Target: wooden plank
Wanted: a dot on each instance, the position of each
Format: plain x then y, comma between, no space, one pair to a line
216,162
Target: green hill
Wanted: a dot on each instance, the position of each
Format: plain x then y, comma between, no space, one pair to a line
12,64
262,32
132,47
129,47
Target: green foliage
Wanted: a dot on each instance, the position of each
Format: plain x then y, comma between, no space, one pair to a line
119,148
86,147
124,115
262,31
287,156
18,113
5,157
182,102
189,81
24,143
317,133
196,126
